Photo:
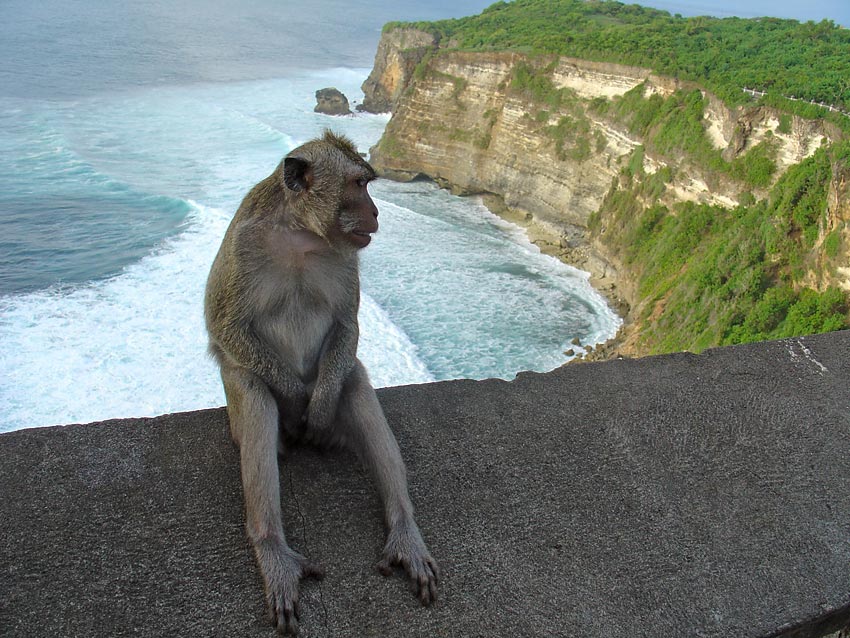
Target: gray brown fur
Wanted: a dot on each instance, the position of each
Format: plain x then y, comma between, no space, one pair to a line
281,311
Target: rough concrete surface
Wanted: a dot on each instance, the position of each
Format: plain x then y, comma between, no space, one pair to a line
669,496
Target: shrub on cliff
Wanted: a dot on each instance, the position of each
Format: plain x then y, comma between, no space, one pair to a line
712,276
675,125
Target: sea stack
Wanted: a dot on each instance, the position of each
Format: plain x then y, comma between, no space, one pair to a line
331,101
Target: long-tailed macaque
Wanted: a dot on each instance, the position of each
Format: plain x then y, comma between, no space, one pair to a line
281,310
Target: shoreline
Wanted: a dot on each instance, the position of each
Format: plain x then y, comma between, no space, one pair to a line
573,249
570,245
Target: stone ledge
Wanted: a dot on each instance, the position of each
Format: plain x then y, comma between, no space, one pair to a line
678,495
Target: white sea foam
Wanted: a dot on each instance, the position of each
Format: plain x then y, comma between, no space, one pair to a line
478,298
135,344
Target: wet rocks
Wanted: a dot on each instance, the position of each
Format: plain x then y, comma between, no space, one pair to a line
331,101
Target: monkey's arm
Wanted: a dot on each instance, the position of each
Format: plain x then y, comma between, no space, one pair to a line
241,344
335,364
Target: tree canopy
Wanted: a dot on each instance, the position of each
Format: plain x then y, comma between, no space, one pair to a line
782,57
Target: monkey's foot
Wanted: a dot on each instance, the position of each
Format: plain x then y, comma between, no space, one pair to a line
282,569
406,548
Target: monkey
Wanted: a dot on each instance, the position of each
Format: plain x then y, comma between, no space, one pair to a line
281,306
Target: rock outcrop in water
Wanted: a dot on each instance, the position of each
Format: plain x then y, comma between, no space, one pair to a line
331,101
462,119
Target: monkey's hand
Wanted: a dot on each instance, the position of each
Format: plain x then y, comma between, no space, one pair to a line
282,569
335,365
321,411
293,401
406,548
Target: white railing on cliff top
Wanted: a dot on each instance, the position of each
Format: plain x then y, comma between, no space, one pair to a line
755,93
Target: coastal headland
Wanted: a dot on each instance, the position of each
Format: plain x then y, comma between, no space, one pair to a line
552,144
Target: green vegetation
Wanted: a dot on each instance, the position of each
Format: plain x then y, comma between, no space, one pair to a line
572,133
783,57
537,86
706,275
423,66
571,138
831,244
756,167
714,276
390,146
674,125
423,70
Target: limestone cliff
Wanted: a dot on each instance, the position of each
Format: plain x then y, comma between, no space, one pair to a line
548,160
837,224
399,51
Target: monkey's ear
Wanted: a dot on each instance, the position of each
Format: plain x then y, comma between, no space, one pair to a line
297,174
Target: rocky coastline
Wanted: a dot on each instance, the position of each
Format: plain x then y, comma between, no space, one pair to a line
399,53
549,167
576,251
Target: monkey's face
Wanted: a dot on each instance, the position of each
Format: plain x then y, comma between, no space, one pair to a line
357,218
327,183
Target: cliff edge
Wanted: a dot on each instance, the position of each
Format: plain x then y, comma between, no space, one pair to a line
399,52
678,495
585,154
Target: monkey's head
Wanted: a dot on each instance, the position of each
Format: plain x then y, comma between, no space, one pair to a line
326,184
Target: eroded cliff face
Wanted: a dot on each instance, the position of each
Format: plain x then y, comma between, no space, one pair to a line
461,119
837,224
399,51
462,126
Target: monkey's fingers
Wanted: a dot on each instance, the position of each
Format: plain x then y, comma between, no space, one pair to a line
421,569
426,581
283,607
385,566
282,590
431,583
285,614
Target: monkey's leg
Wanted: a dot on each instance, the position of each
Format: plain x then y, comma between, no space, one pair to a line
254,424
365,429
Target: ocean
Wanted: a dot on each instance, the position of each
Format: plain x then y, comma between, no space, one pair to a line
129,133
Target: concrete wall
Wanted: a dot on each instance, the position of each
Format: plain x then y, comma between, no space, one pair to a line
669,496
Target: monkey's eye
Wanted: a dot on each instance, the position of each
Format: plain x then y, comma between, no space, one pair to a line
362,182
